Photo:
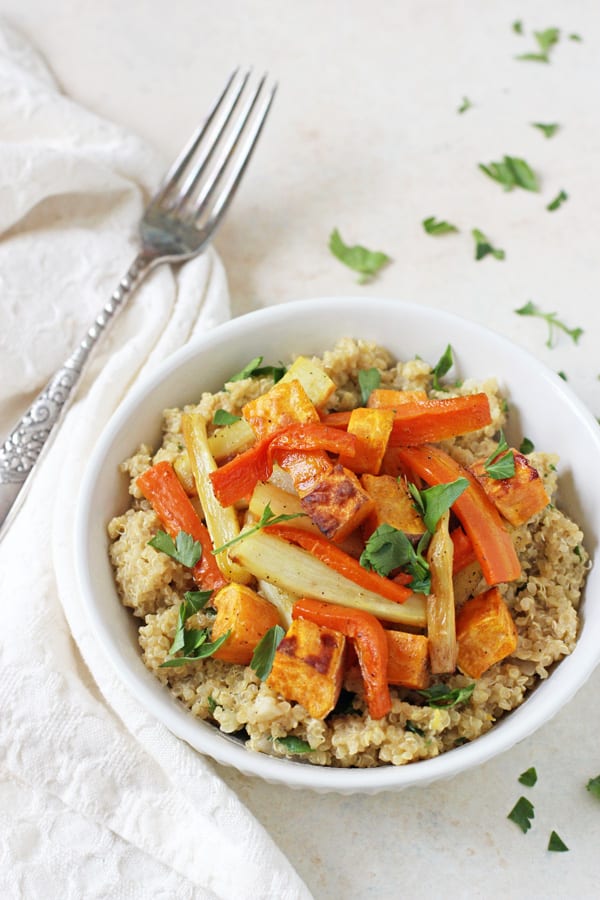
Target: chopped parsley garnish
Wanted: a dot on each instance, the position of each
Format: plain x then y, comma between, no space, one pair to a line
293,744
366,262
345,705
483,246
593,786
465,105
254,369
530,309
440,696
264,652
267,518
194,642
442,367
545,40
410,726
562,375
556,844
438,226
558,201
526,446
575,37
388,548
522,813
528,777
512,172
517,26
184,548
368,381
432,502
501,463
222,417
547,130
211,703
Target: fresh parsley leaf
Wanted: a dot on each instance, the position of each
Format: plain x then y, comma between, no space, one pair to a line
593,786
198,647
530,309
438,226
483,246
253,369
410,726
368,381
545,40
501,463
264,652
184,548
440,696
432,502
527,446
556,844
222,417
465,105
293,744
267,518
522,813
211,703
547,130
575,37
388,548
442,367
558,201
366,262
562,375
512,172
528,777
517,27
193,602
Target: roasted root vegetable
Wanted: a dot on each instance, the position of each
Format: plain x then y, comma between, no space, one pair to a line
369,641
389,398
338,503
286,403
228,440
314,379
308,667
517,498
464,554
296,571
281,503
407,659
161,487
222,522
437,420
247,616
441,627
486,633
393,506
480,519
372,428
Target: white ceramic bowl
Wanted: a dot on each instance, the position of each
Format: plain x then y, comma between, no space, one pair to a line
543,408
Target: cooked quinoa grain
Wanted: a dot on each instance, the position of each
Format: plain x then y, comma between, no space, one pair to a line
543,602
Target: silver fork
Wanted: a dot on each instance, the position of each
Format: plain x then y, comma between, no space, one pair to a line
177,225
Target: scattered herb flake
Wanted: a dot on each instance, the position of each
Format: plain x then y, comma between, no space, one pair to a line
562,375
199,649
483,246
501,463
366,262
530,309
267,518
517,26
438,226
222,417
522,813
556,844
264,652
527,446
293,744
440,696
593,786
512,172
254,369
388,548
465,105
528,777
211,703
545,40
368,381
184,548
548,130
432,502
575,37
410,726
558,201
442,367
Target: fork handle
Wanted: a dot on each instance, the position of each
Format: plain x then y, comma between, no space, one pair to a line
23,447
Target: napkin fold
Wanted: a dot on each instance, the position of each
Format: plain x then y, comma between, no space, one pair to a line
97,799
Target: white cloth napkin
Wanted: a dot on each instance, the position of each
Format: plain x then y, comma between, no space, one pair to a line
96,798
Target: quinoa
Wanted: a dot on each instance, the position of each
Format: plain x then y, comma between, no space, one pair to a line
543,601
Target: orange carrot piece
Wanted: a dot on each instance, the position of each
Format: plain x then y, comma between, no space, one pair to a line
370,643
161,487
337,419
407,661
492,543
342,562
436,420
464,554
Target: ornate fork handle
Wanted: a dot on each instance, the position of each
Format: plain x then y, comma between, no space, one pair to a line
22,448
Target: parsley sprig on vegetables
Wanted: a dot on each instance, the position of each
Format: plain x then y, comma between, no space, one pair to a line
264,652
438,226
254,369
432,502
512,172
442,367
366,262
530,309
522,813
483,247
193,642
501,463
223,417
388,548
267,518
184,548
440,696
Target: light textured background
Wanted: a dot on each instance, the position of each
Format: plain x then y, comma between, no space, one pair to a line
365,136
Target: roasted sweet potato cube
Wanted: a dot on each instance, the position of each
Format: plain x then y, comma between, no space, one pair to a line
309,667
517,498
307,469
313,378
393,505
408,659
247,615
486,633
286,403
338,504
389,398
372,427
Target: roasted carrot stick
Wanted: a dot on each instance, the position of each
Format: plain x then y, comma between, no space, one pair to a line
342,562
491,541
370,642
161,487
464,554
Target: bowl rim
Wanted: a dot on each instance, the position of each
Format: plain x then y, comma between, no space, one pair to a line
208,739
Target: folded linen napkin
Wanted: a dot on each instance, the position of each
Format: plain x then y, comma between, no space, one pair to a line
96,798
